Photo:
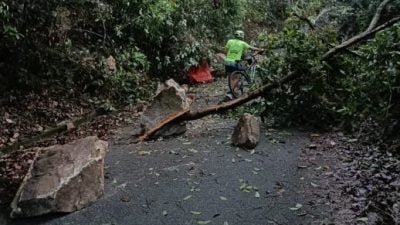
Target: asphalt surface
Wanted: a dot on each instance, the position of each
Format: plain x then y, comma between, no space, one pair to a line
198,178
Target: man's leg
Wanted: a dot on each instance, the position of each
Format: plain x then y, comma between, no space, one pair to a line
229,68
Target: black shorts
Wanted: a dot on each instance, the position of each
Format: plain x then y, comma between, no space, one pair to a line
233,66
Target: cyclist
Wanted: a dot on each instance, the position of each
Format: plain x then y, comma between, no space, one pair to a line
235,50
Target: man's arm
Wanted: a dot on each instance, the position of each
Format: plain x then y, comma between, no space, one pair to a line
256,49
247,46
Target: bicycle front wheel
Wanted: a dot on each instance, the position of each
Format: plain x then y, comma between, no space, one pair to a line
237,84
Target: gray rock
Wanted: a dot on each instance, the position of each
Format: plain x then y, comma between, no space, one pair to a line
247,132
63,179
169,101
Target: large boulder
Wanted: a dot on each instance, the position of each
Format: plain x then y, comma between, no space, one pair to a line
62,179
247,132
170,100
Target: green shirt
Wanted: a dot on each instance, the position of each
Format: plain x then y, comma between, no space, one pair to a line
235,49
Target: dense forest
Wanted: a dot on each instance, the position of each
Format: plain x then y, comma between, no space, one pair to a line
64,47
344,57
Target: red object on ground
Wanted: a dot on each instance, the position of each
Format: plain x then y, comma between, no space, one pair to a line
200,73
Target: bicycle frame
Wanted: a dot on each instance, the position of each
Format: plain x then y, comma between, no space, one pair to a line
244,78
250,71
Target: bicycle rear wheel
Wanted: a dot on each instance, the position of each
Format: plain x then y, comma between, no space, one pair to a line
236,82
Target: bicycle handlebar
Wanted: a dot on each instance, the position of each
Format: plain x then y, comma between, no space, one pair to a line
253,56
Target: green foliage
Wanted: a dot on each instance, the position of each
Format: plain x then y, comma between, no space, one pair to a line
175,34
346,90
355,15
9,32
63,44
130,83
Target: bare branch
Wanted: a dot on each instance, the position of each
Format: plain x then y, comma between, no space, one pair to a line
312,27
308,21
360,37
377,15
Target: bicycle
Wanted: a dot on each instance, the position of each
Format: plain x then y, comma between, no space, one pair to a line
242,81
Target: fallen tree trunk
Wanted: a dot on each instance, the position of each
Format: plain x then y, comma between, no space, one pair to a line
194,115
161,124
371,30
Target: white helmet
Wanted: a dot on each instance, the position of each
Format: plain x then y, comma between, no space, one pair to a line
239,34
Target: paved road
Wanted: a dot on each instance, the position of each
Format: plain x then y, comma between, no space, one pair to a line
197,179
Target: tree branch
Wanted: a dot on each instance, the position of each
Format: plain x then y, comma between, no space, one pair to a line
308,21
362,36
377,15
312,27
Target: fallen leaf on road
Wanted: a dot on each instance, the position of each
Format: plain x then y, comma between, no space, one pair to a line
223,198
195,213
9,121
257,195
193,189
314,185
273,141
165,213
187,197
70,126
203,222
362,219
312,146
125,199
16,135
297,207
143,153
352,140
192,150
245,187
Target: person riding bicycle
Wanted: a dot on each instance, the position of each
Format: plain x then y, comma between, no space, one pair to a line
235,50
